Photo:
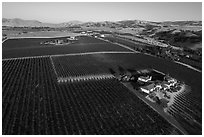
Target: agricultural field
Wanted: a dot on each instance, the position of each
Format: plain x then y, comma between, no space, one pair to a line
36,33
188,112
77,66
34,103
104,62
31,47
78,74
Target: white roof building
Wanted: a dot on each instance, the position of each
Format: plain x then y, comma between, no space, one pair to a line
102,35
148,89
145,79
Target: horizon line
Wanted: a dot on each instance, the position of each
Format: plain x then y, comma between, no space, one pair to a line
100,21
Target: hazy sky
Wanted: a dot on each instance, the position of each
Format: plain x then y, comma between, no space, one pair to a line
63,12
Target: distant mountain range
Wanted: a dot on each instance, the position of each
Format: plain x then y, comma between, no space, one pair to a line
16,22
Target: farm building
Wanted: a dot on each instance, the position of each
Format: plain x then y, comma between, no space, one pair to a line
158,86
148,89
72,38
167,85
102,35
144,79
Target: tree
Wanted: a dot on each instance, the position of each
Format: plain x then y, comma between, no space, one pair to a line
121,70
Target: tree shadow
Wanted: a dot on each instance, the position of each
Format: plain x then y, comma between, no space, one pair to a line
112,71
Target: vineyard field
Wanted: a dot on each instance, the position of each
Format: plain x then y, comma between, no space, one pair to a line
187,109
102,63
76,66
34,103
141,61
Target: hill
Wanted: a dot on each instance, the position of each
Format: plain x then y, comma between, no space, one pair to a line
177,33
16,22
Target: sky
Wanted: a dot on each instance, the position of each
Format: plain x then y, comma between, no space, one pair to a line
51,12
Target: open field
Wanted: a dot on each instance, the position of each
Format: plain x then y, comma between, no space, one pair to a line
18,33
197,46
34,103
191,28
18,43
13,48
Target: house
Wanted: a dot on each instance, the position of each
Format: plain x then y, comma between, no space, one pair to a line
166,85
83,33
158,86
72,38
144,79
148,89
171,81
102,36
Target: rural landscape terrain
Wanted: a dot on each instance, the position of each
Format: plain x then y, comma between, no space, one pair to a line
101,78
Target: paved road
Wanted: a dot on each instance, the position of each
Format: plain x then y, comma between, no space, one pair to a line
4,41
188,66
